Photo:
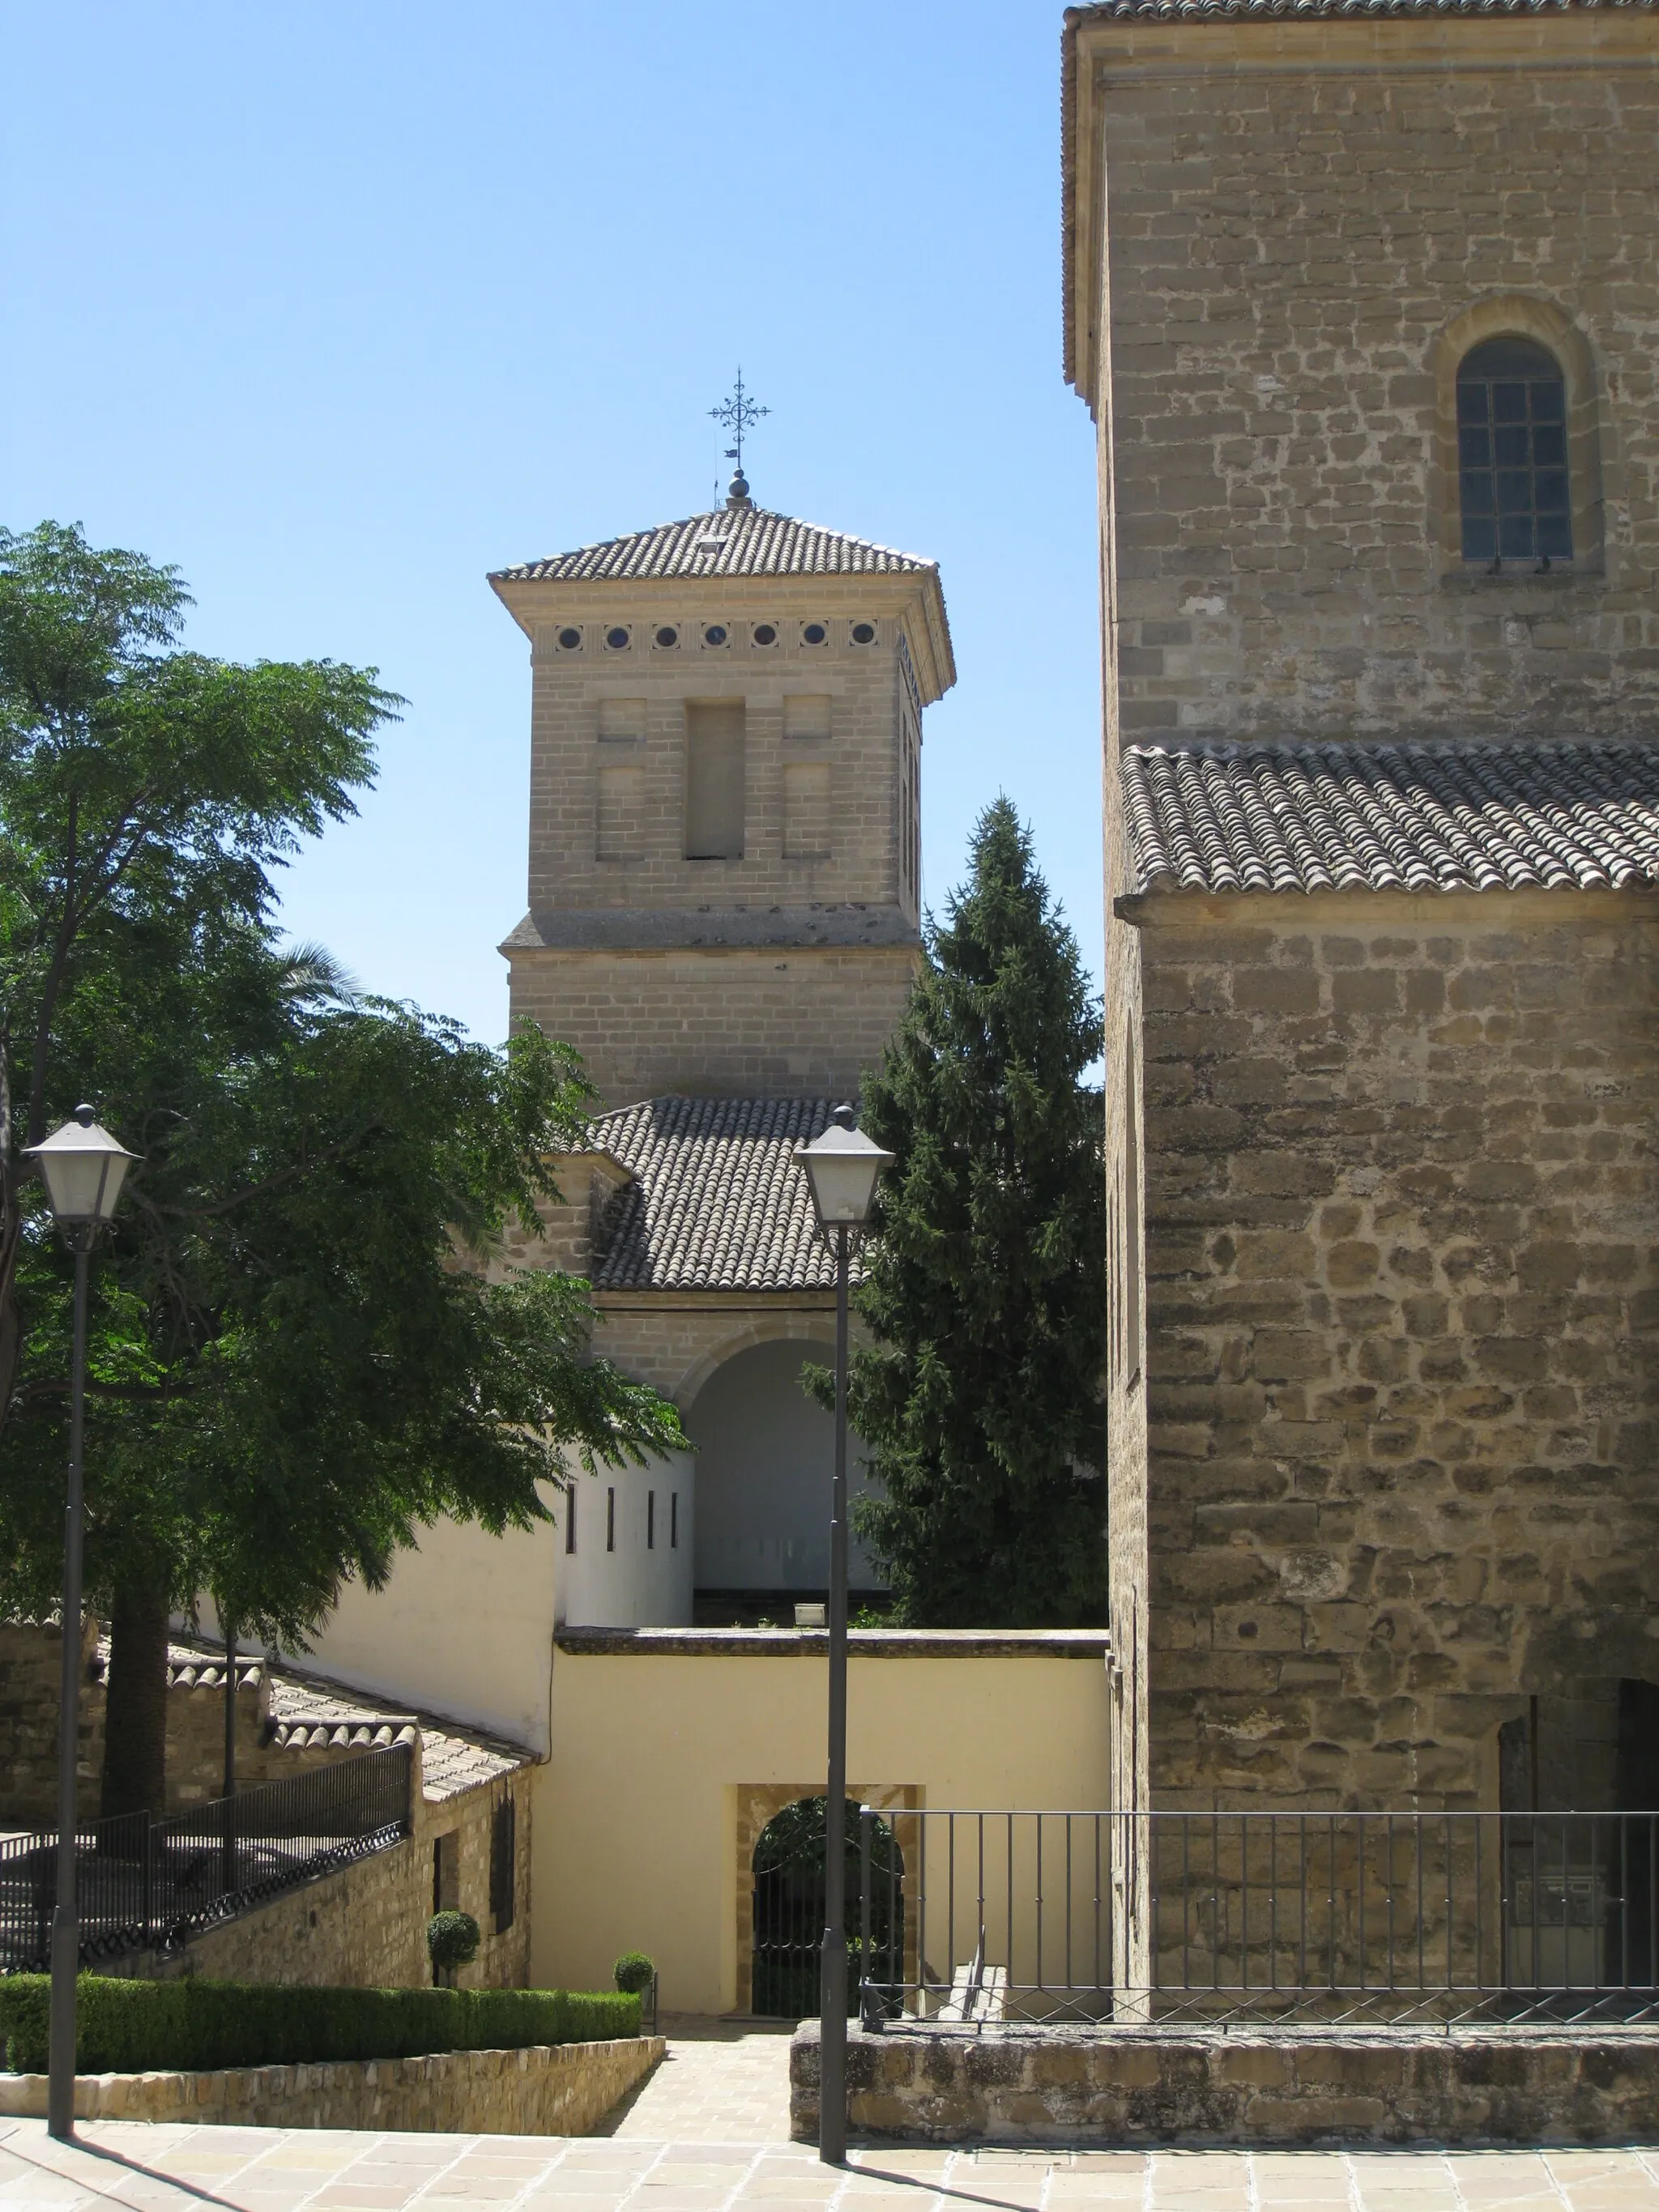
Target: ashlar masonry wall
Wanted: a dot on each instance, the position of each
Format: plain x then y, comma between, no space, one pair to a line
1307,224
1403,1213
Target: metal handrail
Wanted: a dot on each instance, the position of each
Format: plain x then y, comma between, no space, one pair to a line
151,1885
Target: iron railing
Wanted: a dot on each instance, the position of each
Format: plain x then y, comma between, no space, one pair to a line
144,1884
1297,1919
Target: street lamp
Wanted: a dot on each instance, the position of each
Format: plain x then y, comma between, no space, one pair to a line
841,1168
83,1168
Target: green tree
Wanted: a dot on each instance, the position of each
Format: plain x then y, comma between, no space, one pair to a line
984,1290
298,1355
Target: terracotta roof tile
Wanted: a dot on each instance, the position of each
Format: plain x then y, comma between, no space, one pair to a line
717,1202
1413,818
739,542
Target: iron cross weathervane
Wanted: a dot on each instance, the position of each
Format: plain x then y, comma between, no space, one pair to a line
736,415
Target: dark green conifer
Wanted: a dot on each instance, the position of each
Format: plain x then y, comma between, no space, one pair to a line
985,1294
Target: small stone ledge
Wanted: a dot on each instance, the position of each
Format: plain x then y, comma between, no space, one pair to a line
1257,2087
544,2089
862,1642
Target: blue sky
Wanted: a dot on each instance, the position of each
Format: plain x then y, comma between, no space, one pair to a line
338,306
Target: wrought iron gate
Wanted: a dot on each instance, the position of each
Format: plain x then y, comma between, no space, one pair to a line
788,1907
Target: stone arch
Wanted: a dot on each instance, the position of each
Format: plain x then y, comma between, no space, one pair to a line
808,1327
765,1454
1523,315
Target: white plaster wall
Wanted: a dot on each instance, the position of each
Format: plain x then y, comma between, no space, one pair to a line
765,1459
464,1628
634,1837
628,1563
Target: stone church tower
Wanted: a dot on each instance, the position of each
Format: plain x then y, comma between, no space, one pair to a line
725,890
1365,303
725,918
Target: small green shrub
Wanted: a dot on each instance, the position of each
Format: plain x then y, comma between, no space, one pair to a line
198,2026
634,1972
452,1939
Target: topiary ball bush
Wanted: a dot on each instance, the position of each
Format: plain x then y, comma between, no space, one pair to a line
633,1973
452,1939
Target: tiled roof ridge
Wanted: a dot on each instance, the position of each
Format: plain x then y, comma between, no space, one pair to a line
1212,11
1258,815
754,541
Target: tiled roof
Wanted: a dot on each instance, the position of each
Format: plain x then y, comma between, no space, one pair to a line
1427,818
717,1203
1215,11
306,1713
731,541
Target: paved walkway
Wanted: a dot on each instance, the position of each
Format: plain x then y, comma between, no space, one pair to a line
116,2164
723,2081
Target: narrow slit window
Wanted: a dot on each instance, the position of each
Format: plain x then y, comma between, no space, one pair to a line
570,1518
650,1520
610,1520
673,1520
1512,454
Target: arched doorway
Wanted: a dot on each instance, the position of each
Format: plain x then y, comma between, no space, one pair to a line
789,1908
765,1455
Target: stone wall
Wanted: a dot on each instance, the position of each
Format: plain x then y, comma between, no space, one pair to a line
31,1658
365,1926
776,1021
563,2089
1254,2088
29,1664
1403,1207
598,710
1307,225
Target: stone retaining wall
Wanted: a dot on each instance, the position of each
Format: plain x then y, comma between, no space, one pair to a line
563,2089
1466,2086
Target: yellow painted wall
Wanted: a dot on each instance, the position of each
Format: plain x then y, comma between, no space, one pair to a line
636,1810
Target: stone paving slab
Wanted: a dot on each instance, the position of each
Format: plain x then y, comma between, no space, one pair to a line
122,2166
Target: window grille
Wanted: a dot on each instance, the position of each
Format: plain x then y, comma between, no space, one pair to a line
1512,454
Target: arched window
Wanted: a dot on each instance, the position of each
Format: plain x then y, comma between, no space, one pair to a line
1512,454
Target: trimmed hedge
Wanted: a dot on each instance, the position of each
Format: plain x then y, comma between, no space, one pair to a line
194,2027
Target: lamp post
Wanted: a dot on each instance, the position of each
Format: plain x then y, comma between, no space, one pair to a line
842,1167
82,1167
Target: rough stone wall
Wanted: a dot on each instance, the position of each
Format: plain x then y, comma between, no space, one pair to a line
195,1722
365,1927
778,1021
1240,2087
1308,222
1402,1199
31,1656
561,2089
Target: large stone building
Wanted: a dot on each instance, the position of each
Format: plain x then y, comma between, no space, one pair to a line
1364,300
724,918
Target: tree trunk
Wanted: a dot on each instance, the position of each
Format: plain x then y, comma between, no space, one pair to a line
136,1710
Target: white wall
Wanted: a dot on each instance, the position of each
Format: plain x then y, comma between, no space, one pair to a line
628,1563
464,1628
765,1459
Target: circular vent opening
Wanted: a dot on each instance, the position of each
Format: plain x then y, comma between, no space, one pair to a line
864,632
715,635
815,633
616,639
570,639
667,636
765,635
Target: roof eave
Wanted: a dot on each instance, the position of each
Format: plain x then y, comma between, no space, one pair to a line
1079,258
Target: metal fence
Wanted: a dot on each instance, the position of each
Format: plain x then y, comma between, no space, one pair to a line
144,1884
1315,1919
